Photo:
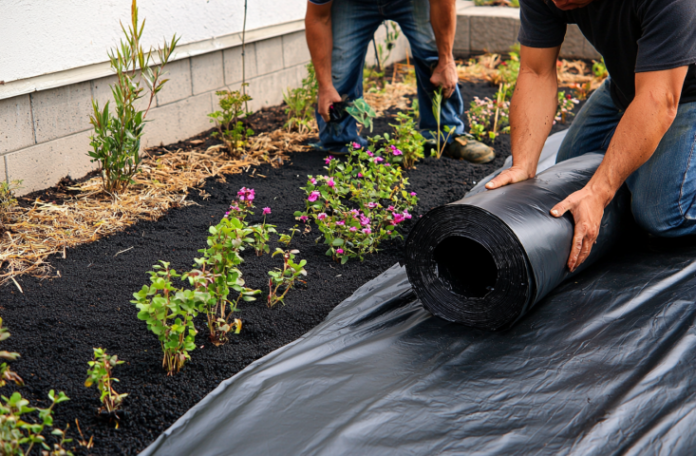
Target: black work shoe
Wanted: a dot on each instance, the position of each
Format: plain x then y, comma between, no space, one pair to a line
469,150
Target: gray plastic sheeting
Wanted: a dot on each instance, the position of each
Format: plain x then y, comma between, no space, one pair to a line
603,365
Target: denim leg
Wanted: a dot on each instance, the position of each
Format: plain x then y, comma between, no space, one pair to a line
413,16
593,127
354,22
663,190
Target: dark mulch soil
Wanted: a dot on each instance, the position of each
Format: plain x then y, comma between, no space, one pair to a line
55,323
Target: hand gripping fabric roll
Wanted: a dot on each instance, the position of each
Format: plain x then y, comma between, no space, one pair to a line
485,260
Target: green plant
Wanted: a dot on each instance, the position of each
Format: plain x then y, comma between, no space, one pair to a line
511,3
18,434
566,104
116,137
300,103
439,136
287,238
169,313
261,234
284,279
228,120
358,205
362,112
599,69
99,373
405,146
383,51
7,374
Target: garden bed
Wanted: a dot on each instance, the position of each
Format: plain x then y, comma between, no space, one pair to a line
56,323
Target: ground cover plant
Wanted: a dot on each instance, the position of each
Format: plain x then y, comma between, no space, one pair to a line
229,120
100,374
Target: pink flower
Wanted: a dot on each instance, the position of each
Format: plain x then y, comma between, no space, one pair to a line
406,215
321,216
235,208
303,219
356,146
389,232
360,175
355,213
390,208
328,159
378,159
367,230
387,164
266,210
370,154
226,214
339,251
396,151
364,220
413,193
313,196
398,218
352,228
372,205
313,181
246,194
330,182
340,223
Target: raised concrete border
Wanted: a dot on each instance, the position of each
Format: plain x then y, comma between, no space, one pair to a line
494,29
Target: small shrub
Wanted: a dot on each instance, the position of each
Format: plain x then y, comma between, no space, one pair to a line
358,205
116,137
229,120
99,373
300,103
405,146
482,117
7,374
19,433
283,280
169,313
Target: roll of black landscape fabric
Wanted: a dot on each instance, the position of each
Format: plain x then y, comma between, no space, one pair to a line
485,260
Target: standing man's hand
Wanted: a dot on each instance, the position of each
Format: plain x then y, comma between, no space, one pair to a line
445,76
327,96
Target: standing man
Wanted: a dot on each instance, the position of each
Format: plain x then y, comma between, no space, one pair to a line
338,33
643,118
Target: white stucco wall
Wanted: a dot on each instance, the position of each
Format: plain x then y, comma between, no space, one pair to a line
45,36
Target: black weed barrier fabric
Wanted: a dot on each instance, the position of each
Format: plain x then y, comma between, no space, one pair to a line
602,365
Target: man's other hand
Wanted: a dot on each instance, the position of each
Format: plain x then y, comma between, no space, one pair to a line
587,208
327,97
445,76
509,176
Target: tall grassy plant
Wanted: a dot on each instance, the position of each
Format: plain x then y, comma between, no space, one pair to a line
116,138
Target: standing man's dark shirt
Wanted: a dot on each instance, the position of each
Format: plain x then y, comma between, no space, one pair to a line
633,36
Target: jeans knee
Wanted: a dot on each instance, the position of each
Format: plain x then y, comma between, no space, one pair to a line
657,219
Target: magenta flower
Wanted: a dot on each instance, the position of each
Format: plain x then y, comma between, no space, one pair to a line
367,230
321,216
235,208
328,159
371,205
354,229
364,220
387,164
355,213
396,151
360,175
313,181
227,214
356,146
378,159
313,196
370,154
266,210
246,194
330,182
340,223
390,208
413,193
406,215
389,232
339,251
303,219
398,218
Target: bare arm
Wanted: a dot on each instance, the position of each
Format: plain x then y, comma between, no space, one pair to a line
638,134
443,17
320,43
532,111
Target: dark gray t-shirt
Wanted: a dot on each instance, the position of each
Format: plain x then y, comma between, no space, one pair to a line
633,36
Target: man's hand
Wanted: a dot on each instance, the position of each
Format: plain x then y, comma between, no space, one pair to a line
327,97
445,76
587,207
510,176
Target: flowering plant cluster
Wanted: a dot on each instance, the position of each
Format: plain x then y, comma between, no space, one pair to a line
405,146
358,203
566,104
482,117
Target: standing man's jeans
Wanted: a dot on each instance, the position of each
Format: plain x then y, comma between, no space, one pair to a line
354,23
663,190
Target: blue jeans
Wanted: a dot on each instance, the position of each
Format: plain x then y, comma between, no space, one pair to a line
663,190
354,23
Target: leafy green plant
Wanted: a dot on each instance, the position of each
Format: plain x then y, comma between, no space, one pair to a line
229,120
7,374
287,238
440,139
385,49
116,137
261,234
19,433
300,103
405,146
169,314
362,112
358,205
599,69
100,373
283,280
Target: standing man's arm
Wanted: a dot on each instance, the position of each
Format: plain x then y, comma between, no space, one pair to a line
443,17
320,43
532,110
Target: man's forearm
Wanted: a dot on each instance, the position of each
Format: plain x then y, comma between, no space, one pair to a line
532,110
443,18
320,41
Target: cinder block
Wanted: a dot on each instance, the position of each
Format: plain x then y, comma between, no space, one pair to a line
3,169
462,42
269,55
232,59
295,50
43,165
589,52
179,85
493,34
207,72
16,128
62,111
101,91
268,90
178,121
574,43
